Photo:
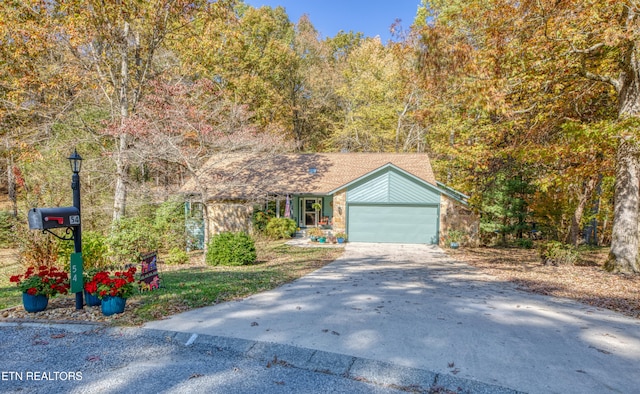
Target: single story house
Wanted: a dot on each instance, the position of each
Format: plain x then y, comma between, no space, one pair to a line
373,197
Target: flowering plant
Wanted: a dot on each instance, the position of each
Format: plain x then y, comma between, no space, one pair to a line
118,284
42,280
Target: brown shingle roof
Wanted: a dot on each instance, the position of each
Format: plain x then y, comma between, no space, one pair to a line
247,176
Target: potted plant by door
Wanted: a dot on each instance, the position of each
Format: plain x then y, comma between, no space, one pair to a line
455,236
341,237
38,284
314,234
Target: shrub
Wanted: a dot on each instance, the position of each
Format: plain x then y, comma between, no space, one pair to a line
170,225
130,238
260,218
524,243
281,228
557,253
38,249
231,249
95,251
7,223
177,256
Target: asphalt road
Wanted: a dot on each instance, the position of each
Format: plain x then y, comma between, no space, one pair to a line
39,358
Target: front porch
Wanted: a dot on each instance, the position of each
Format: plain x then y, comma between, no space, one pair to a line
325,212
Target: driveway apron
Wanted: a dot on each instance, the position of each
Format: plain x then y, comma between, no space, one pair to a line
414,306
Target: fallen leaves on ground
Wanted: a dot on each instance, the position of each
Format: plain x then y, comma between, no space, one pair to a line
586,282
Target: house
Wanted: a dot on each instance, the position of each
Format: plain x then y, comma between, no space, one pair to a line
373,197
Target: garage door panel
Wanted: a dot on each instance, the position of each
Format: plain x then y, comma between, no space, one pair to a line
393,223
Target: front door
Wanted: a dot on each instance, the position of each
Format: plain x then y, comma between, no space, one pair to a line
310,216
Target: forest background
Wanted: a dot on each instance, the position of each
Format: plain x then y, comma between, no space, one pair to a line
531,108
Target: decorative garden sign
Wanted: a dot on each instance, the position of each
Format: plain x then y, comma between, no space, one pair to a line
149,278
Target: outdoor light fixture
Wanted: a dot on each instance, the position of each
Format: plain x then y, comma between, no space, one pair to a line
76,162
76,258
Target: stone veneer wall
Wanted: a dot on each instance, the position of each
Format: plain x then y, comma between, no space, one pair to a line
340,211
229,216
455,216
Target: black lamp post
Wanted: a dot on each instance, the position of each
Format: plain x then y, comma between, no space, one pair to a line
76,164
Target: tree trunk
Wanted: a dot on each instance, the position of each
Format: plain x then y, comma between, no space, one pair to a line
120,193
623,256
574,232
11,183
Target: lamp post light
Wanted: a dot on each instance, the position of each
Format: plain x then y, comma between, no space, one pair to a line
76,164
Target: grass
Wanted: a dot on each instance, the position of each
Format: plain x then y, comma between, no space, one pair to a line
197,284
9,293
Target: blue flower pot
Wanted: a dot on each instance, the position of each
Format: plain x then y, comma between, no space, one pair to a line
34,303
91,299
340,240
113,305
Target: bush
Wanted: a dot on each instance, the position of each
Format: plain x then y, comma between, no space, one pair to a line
177,256
524,243
7,229
170,225
260,218
557,253
95,252
231,249
281,228
130,238
38,249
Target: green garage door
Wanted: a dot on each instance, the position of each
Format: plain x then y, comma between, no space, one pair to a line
410,224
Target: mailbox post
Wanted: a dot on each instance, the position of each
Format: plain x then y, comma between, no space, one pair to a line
76,164
46,219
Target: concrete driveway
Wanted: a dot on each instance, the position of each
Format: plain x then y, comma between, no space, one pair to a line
413,306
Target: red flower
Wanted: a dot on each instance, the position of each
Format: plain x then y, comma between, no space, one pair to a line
91,287
42,281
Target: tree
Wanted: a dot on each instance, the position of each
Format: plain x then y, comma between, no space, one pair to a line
118,43
599,43
249,53
368,99
535,66
184,123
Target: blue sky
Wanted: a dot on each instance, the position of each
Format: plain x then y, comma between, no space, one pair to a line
371,17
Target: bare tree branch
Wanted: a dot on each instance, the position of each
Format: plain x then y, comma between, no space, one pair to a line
602,78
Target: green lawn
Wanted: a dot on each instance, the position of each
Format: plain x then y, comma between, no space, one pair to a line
9,294
196,285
